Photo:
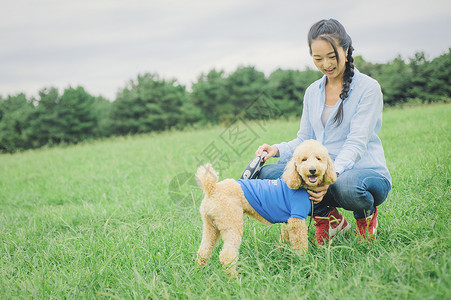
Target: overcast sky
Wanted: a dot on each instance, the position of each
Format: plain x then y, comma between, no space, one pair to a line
102,44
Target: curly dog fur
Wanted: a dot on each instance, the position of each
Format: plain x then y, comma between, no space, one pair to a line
224,205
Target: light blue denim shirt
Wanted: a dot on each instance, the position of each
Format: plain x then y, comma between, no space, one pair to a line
354,143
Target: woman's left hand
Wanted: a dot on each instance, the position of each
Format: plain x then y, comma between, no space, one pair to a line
317,194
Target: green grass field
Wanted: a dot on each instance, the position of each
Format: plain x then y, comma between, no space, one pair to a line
119,219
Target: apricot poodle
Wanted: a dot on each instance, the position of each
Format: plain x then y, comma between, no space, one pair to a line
268,201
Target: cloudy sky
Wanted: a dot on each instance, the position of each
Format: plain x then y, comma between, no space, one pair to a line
102,44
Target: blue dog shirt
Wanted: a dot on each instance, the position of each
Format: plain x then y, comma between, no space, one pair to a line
274,200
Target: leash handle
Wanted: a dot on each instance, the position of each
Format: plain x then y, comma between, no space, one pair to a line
253,168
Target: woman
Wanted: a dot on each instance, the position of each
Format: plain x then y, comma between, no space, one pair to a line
343,111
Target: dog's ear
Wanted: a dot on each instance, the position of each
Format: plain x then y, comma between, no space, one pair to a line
330,177
291,175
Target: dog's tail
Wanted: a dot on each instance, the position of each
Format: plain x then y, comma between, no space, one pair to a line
207,178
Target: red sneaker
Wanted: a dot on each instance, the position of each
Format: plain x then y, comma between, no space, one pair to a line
369,225
328,227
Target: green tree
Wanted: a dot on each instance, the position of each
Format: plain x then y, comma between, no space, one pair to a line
395,80
76,115
44,127
102,111
147,104
208,93
67,118
15,112
420,75
441,83
287,88
242,88
368,68
436,74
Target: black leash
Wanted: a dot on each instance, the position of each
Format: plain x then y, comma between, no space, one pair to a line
311,215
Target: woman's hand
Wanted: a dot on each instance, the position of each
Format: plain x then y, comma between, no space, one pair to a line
271,151
317,193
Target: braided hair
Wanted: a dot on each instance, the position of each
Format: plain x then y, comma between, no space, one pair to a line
331,30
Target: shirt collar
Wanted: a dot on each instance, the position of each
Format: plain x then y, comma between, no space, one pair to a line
323,81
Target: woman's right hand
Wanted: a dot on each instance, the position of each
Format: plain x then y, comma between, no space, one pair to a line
271,151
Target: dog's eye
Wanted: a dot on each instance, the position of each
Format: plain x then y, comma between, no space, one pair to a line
304,159
318,158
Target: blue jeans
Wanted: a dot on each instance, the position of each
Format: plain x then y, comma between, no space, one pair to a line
357,190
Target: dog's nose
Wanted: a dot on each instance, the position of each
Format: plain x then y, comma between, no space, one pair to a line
312,170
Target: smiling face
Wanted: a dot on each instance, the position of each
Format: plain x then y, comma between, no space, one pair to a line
326,60
312,167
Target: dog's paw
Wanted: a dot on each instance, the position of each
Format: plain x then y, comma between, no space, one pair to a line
201,261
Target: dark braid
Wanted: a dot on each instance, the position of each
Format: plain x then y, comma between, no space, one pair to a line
331,30
347,78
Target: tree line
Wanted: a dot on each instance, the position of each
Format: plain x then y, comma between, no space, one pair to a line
150,103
